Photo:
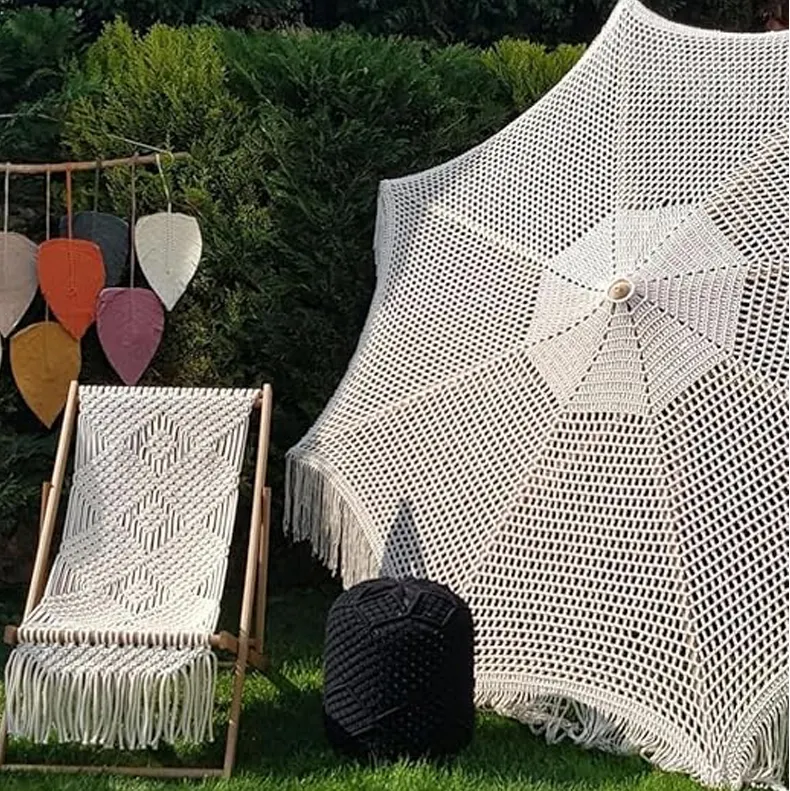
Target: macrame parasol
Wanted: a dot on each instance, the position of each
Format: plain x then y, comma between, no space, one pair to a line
569,402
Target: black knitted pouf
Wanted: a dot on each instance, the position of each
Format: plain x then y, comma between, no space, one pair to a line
398,671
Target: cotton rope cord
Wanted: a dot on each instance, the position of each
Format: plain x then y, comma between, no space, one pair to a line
164,184
132,223
569,403
69,209
47,226
48,206
6,191
134,592
96,187
6,194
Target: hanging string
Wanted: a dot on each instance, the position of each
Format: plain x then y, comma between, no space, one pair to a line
5,219
68,200
95,198
70,258
47,227
96,186
164,183
133,212
47,217
7,191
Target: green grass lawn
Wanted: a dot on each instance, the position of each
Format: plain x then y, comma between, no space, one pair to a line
282,746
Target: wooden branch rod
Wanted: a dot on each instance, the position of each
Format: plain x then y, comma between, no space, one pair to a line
62,167
222,640
134,771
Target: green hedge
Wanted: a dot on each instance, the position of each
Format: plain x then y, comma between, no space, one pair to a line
35,50
290,134
473,21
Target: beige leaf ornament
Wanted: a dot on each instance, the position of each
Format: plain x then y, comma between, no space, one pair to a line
18,282
168,246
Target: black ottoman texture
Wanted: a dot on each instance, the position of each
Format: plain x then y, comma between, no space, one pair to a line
399,671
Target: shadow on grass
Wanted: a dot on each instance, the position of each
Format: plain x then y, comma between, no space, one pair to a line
284,739
282,736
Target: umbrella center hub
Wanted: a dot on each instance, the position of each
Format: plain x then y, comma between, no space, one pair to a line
620,290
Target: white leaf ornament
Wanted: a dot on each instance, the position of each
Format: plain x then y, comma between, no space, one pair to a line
18,280
168,246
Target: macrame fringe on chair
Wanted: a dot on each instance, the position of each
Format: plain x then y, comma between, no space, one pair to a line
111,695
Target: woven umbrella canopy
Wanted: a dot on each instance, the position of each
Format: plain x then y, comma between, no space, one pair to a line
569,402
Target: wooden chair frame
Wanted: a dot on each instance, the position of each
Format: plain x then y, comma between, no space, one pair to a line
248,646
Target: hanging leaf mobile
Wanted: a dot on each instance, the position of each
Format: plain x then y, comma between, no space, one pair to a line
80,275
71,275
130,321
169,246
45,359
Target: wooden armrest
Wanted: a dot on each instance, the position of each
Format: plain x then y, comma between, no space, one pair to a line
224,641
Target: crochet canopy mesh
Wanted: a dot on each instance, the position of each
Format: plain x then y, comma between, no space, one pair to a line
117,651
569,402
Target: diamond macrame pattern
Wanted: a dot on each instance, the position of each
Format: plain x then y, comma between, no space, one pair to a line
569,402
144,547
117,651
158,443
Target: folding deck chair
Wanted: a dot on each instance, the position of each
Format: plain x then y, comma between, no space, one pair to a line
116,645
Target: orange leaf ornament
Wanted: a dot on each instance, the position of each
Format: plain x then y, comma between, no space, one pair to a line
71,275
44,360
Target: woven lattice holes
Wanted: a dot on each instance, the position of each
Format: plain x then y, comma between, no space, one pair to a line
134,592
569,402
398,671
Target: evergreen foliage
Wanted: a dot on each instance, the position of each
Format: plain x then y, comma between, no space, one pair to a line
290,133
472,21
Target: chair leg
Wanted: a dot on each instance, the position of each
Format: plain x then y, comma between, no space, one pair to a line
263,573
239,673
45,490
240,669
3,737
248,598
38,580
46,487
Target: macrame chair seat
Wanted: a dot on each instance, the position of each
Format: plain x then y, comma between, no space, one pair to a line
117,643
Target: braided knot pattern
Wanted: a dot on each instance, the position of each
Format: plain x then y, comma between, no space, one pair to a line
135,589
569,402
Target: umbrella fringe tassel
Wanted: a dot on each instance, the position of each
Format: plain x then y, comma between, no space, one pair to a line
317,509
763,762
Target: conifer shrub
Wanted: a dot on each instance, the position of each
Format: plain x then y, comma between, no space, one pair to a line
289,134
